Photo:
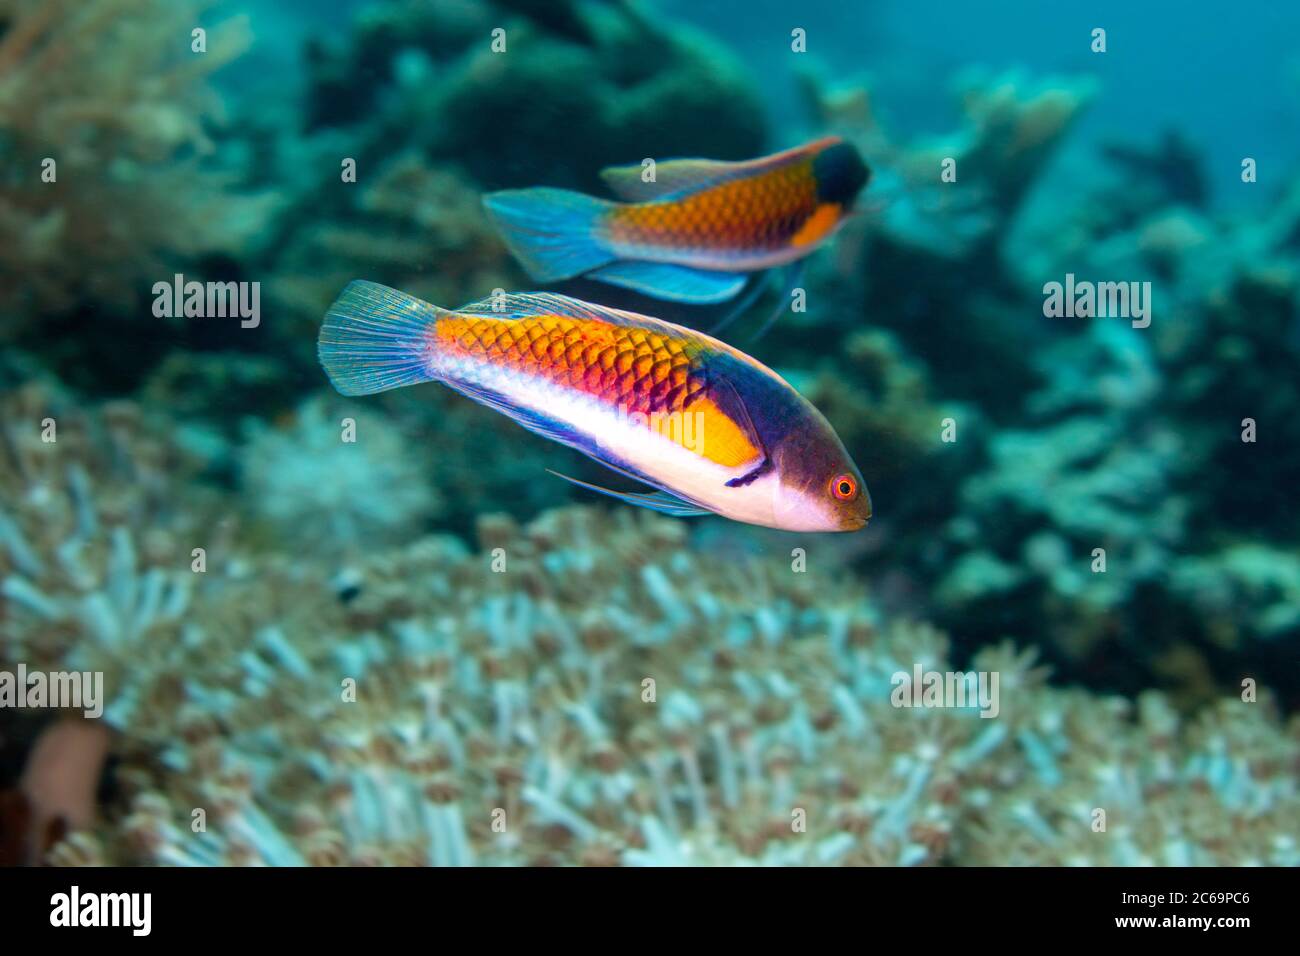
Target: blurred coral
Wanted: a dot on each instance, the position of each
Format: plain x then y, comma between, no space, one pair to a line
504,718
106,188
592,688
1074,435
95,535
335,479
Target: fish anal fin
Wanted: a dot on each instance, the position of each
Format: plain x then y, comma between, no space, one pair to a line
791,278
660,501
676,283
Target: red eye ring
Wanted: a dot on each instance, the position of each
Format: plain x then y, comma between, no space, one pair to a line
844,487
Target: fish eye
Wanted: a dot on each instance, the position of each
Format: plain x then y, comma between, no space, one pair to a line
844,487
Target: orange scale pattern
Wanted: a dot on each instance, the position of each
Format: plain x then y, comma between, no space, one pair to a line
766,211
631,368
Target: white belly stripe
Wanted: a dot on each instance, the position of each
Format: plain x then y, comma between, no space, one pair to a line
678,469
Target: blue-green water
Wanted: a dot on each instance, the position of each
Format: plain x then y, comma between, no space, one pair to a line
367,624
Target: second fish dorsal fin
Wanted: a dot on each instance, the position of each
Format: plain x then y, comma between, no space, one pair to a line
680,176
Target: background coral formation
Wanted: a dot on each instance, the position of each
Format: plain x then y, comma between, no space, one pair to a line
431,705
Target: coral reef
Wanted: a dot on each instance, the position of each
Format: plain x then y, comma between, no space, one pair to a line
95,538
106,186
1071,435
593,688
335,481
1089,471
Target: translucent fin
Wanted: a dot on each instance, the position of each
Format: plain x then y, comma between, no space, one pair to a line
729,401
663,280
760,281
660,501
790,280
375,338
554,233
672,176
518,305
681,176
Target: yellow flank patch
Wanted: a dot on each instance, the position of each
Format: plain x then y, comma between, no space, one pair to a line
703,429
721,440
818,225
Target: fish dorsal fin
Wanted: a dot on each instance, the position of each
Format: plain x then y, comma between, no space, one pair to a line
676,177
522,305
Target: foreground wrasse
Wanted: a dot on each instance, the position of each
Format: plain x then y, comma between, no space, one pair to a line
694,234
706,425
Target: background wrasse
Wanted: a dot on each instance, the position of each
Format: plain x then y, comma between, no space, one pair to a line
708,426
693,235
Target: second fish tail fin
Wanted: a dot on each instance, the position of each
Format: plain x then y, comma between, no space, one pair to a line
554,233
375,338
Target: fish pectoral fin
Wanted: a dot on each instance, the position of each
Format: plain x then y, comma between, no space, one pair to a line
660,501
664,280
730,401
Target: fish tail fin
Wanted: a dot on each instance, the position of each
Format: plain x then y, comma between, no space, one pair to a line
375,338
555,233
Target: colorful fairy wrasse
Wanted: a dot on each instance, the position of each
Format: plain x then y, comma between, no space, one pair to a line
697,232
706,426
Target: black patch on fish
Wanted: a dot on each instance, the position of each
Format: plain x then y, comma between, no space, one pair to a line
763,468
840,174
